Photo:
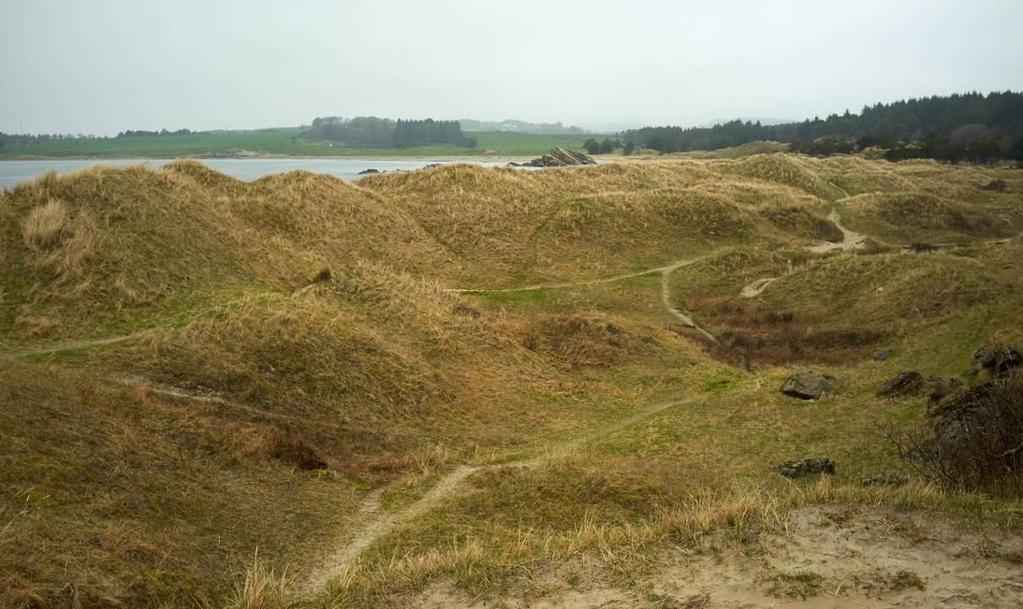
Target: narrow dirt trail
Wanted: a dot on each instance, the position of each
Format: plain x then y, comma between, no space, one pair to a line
74,346
586,282
664,271
206,397
850,241
375,524
372,524
682,316
845,193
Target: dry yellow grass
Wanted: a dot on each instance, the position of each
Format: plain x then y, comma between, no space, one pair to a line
285,347
798,172
556,224
262,587
482,564
46,226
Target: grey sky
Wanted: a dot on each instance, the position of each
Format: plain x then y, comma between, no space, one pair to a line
100,66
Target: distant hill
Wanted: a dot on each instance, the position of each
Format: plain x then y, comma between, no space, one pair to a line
517,126
969,127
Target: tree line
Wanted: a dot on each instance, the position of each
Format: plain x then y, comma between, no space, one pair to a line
373,132
24,140
607,146
968,127
143,133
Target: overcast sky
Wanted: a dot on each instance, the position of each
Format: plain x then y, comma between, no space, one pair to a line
100,66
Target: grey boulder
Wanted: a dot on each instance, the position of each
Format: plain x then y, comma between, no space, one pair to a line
807,385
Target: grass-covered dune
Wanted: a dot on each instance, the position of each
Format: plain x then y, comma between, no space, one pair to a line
464,385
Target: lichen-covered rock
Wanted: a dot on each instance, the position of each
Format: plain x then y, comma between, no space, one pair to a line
907,382
807,385
806,467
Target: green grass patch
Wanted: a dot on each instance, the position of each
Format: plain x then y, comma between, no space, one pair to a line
283,142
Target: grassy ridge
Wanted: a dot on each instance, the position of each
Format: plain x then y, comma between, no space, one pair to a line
281,142
293,350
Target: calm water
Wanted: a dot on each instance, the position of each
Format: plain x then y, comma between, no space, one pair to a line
13,172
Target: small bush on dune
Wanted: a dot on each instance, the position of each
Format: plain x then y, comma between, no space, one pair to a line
46,226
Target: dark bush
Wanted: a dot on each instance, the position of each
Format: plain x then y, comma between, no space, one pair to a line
293,451
322,276
995,185
972,440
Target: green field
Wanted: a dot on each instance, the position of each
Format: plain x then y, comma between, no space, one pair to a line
284,141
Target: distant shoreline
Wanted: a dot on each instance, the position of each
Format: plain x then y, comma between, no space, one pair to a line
497,158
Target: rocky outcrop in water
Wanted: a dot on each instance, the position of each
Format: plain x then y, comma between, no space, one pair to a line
559,157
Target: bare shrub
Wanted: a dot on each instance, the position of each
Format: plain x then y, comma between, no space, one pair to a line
973,440
46,226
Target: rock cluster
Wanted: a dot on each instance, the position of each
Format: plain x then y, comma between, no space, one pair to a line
559,157
1000,360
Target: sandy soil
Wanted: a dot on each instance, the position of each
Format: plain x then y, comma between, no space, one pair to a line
757,287
850,240
837,557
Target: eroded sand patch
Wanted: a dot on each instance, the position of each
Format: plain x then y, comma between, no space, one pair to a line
834,556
